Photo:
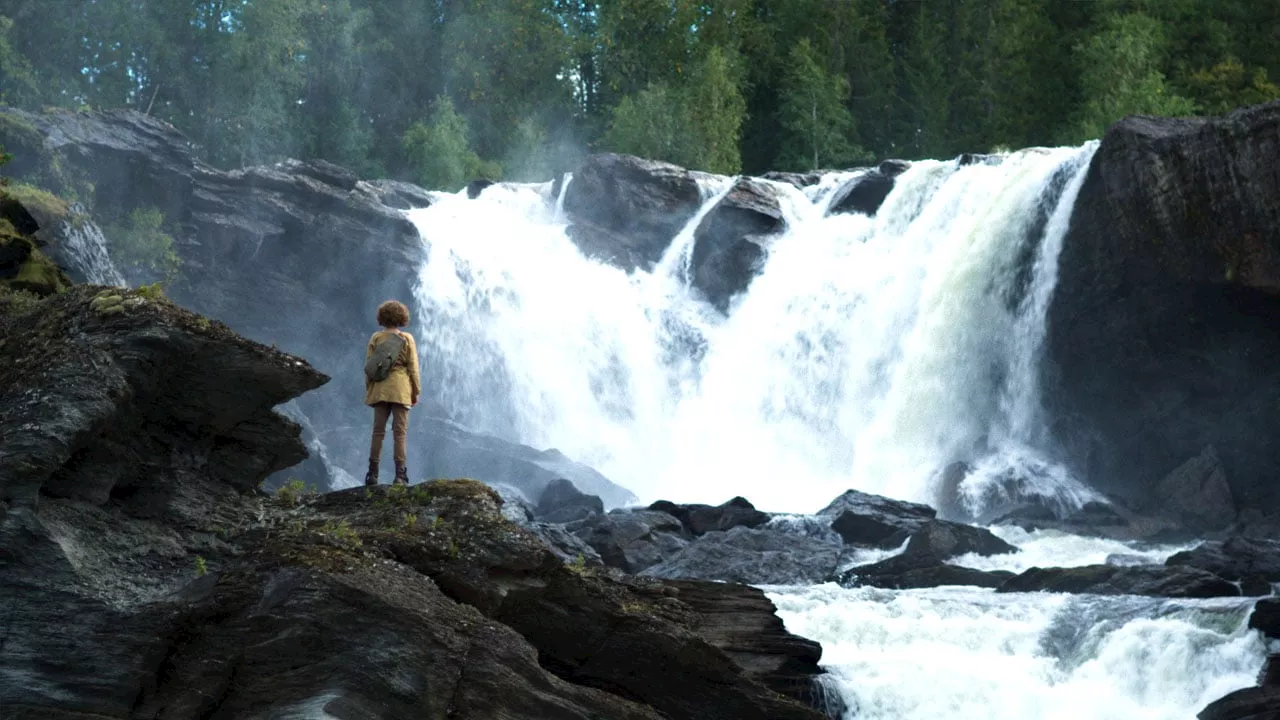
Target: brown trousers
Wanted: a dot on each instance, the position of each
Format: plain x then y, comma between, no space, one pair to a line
399,430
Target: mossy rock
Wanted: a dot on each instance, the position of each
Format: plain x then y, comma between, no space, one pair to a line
45,208
24,267
19,135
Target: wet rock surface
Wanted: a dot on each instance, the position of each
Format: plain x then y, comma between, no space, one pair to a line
1178,582
864,519
730,243
1236,558
632,539
562,502
759,556
919,571
625,210
1161,332
699,519
865,193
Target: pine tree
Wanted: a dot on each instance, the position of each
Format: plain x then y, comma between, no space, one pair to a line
816,125
439,152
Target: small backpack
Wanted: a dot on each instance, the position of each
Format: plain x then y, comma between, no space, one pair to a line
384,355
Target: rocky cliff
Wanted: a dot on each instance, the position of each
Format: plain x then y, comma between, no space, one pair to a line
143,574
1162,334
295,255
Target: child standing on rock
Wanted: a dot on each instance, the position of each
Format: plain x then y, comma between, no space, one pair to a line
391,386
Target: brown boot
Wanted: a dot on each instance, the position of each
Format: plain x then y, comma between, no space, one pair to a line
371,477
402,475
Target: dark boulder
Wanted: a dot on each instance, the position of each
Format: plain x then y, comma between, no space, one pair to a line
743,622
1197,495
729,243
118,355
864,519
903,572
568,547
865,193
625,210
753,556
475,187
1161,334
1157,581
942,540
700,519
1236,558
632,540
561,501
1266,617
1255,703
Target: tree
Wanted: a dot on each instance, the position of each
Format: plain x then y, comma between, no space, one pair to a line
18,84
1120,75
439,152
650,124
816,125
142,249
1229,85
715,108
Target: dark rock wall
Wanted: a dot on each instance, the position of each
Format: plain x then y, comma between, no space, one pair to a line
1163,334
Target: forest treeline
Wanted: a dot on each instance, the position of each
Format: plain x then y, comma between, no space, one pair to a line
441,91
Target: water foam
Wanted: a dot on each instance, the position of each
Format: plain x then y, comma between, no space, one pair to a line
868,353
960,653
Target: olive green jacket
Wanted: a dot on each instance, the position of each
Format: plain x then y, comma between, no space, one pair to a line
403,385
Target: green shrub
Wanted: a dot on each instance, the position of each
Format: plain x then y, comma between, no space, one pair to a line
293,492
142,249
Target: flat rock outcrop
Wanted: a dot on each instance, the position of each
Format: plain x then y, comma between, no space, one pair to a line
143,573
1179,582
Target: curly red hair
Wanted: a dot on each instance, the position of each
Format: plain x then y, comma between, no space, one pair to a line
393,314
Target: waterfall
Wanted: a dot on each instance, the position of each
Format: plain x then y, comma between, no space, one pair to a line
81,250
869,352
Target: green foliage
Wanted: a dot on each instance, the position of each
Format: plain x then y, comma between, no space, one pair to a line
533,82
141,248
202,568
1120,75
155,291
1229,85
697,124
579,565
439,152
18,83
15,301
649,124
715,109
817,127
4,159
293,492
341,534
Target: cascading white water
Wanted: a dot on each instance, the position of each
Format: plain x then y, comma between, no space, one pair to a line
83,250
868,353
970,654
